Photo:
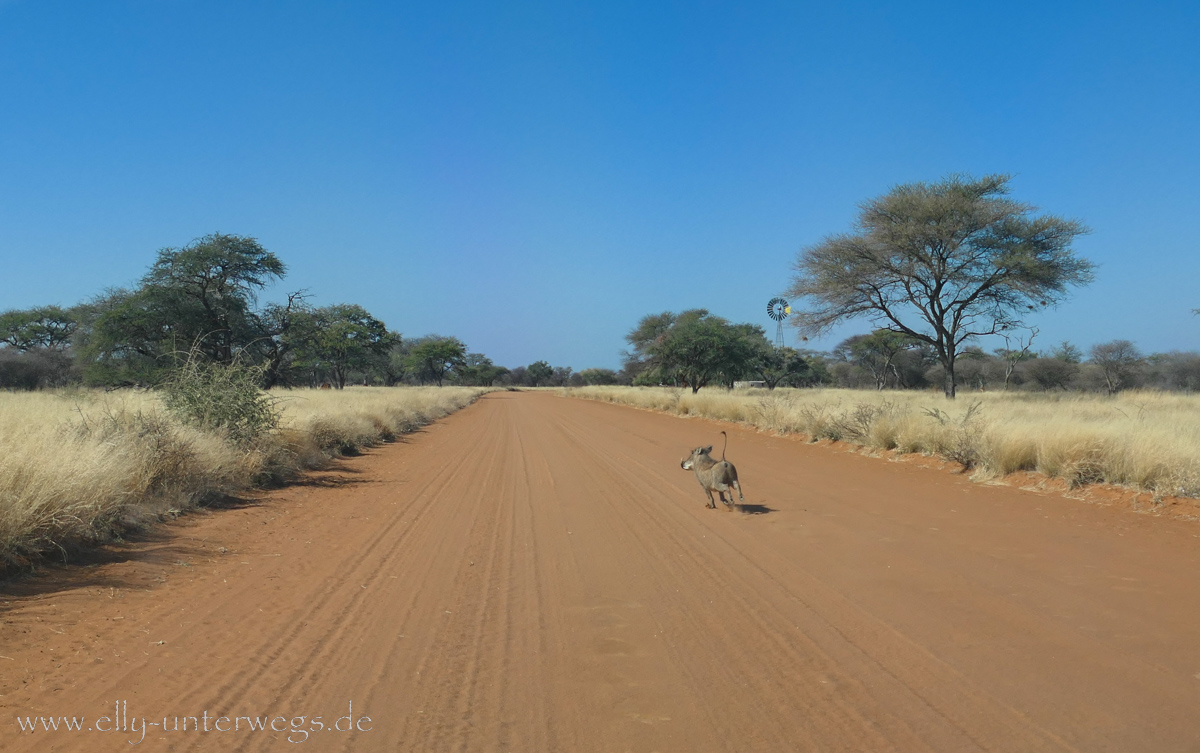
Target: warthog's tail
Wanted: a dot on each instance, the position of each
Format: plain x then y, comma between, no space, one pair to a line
724,445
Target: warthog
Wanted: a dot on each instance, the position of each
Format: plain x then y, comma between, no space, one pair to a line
714,475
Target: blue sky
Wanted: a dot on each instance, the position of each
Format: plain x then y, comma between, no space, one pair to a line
535,177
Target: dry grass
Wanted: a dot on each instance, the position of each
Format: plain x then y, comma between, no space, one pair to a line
1148,441
80,467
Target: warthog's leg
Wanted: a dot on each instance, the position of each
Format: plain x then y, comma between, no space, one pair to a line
738,486
712,505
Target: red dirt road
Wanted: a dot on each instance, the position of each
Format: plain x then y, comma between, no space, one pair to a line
536,573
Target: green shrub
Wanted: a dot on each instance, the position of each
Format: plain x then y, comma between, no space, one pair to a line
221,398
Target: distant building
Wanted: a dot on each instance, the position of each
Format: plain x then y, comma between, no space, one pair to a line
748,385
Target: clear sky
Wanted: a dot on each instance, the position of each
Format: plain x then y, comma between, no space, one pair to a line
535,177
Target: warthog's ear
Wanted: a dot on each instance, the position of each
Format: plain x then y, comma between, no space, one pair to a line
708,449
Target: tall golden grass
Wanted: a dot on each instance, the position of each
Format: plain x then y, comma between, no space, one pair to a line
80,467
1149,441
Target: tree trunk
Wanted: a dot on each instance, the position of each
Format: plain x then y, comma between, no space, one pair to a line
949,386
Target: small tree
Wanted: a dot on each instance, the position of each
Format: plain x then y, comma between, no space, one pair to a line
518,376
478,370
1119,361
539,373
1051,373
437,357
561,376
338,339
781,367
1067,351
941,263
877,353
278,344
693,348
1016,348
594,377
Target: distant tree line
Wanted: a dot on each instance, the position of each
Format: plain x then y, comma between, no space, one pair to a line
695,349
863,362
202,299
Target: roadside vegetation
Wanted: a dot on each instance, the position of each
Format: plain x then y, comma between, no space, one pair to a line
1149,441
83,467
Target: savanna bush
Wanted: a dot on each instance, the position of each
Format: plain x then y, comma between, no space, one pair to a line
222,398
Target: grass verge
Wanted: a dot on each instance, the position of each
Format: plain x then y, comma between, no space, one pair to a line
80,468
1147,441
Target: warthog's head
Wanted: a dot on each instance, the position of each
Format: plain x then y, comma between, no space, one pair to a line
687,463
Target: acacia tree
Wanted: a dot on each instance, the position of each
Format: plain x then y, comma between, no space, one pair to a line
435,357
1119,361
279,343
942,263
201,295
598,376
41,327
211,283
780,366
1011,356
338,339
479,370
539,372
693,348
641,360
877,353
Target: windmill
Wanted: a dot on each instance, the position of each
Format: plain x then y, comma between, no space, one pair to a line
778,309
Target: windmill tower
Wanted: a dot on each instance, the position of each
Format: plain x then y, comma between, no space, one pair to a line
778,309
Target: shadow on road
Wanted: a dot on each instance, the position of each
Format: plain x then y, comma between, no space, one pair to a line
335,476
756,509
162,548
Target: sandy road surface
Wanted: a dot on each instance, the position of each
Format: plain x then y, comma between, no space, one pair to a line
536,573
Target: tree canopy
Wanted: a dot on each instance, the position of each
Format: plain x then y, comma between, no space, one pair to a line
942,263
434,358
40,327
876,353
200,296
335,339
694,348
539,373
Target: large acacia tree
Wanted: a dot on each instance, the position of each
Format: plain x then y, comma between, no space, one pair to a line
211,284
202,295
941,263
